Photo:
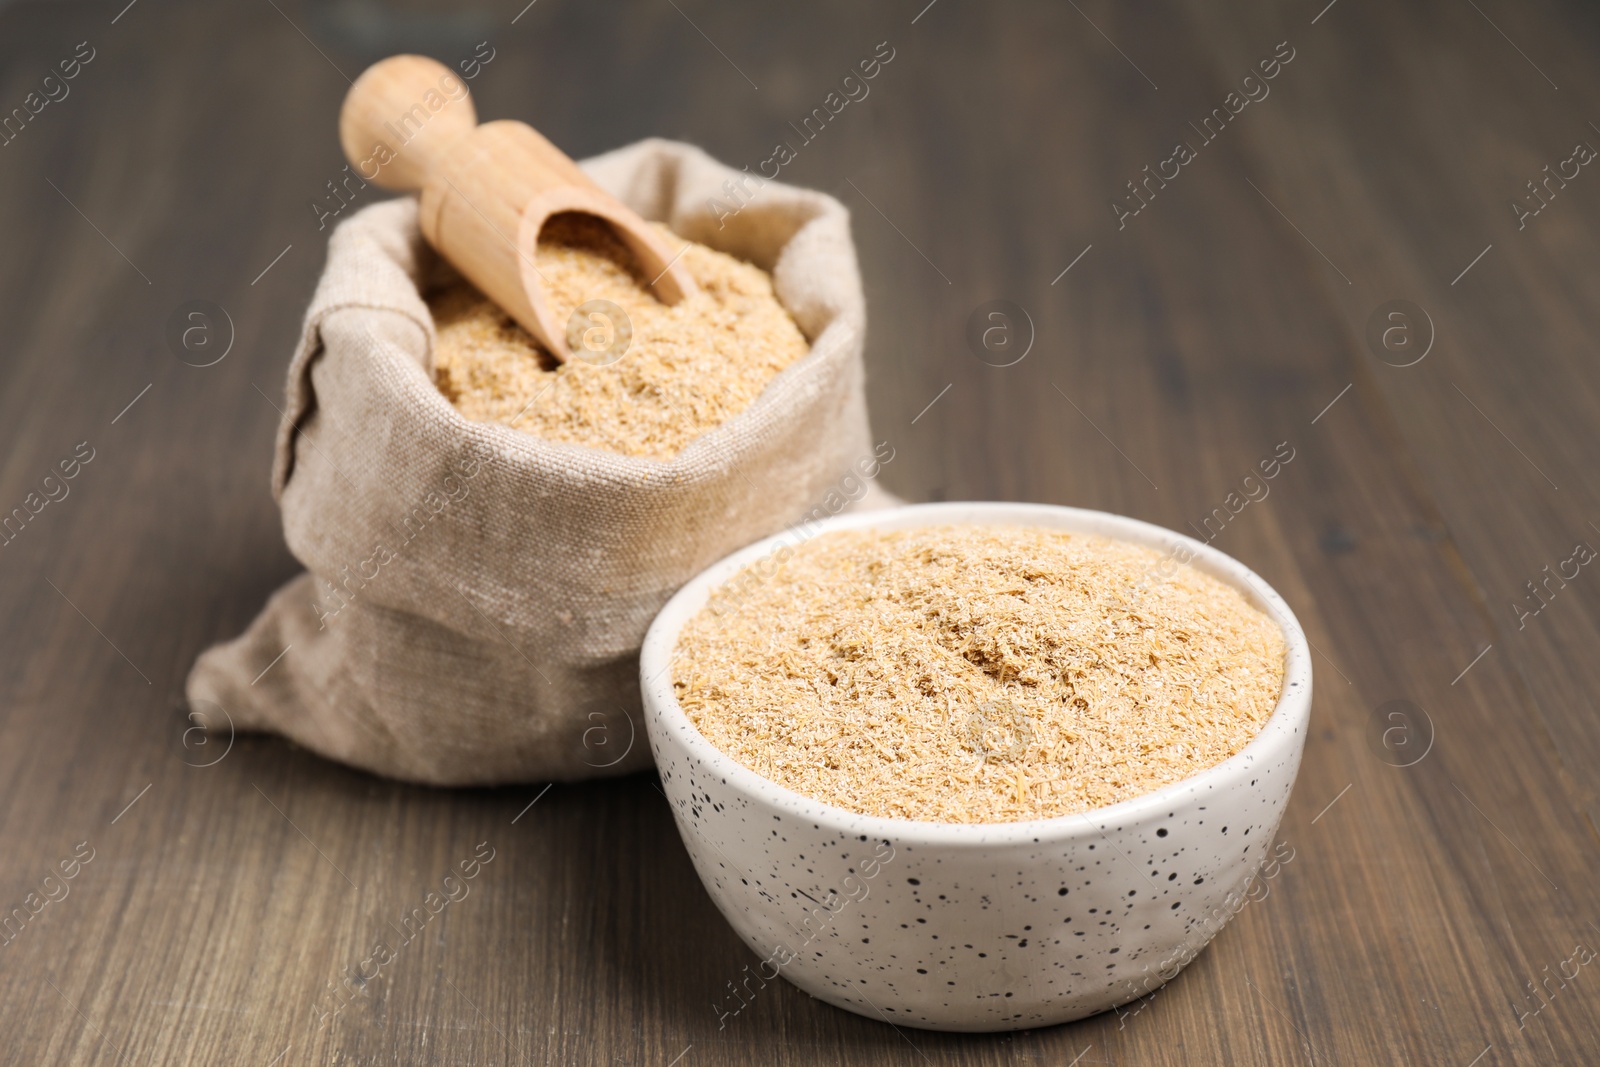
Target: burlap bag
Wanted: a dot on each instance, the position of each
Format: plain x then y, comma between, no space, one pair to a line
477,596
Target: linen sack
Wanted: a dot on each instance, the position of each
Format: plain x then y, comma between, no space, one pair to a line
477,596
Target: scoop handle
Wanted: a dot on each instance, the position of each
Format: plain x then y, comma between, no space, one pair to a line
400,119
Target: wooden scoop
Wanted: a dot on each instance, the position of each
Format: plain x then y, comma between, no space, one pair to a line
408,123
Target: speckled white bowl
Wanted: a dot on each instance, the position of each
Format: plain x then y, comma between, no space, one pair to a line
1000,926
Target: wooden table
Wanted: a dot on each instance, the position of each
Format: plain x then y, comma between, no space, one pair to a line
1242,306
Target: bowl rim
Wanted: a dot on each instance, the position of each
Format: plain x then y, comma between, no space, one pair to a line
1289,719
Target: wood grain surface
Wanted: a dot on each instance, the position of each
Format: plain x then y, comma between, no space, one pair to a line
230,883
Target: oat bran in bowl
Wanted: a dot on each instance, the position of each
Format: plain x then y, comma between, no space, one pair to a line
1016,861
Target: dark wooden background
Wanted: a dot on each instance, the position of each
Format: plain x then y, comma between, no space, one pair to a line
1177,352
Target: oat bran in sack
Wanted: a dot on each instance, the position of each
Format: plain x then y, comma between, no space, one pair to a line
476,596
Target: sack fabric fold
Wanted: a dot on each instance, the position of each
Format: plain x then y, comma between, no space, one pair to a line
476,596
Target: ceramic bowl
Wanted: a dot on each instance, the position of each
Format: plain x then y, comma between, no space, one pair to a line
998,926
